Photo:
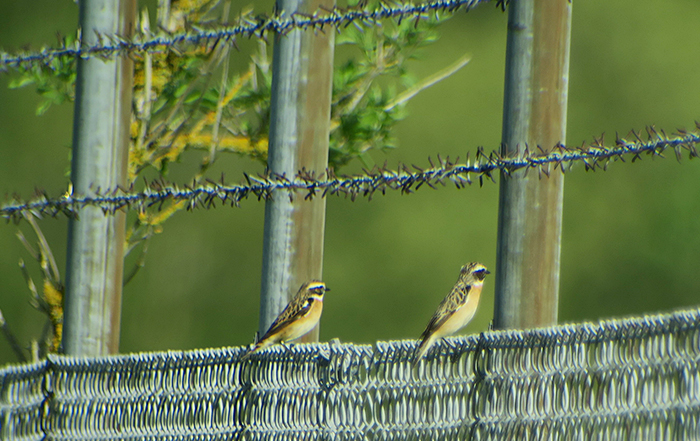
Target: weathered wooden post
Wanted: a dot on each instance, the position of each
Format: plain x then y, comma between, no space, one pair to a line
299,132
530,208
100,154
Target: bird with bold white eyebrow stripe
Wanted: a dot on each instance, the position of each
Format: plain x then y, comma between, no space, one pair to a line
298,318
456,310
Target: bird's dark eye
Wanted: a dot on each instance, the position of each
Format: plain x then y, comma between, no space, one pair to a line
481,273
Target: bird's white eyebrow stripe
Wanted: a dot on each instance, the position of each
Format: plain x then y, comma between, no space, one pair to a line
316,286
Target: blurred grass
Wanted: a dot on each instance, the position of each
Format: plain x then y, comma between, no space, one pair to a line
631,235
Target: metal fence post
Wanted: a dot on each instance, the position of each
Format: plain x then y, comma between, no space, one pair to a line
100,153
299,129
530,207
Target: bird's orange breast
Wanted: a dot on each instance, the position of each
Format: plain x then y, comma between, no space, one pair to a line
303,324
461,317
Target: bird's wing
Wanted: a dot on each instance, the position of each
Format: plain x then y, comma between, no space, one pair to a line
298,308
449,305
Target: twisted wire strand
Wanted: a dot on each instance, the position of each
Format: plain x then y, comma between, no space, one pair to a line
250,27
635,378
378,180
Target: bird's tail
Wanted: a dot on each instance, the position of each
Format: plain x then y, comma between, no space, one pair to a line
423,348
258,347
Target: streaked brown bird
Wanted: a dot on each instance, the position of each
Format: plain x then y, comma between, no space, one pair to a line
298,318
456,310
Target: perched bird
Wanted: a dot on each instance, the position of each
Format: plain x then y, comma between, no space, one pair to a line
456,310
298,318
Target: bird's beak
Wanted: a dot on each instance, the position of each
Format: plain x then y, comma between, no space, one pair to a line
487,272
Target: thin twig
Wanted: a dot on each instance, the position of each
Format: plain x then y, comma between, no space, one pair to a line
11,339
38,302
222,94
34,253
429,81
45,249
140,262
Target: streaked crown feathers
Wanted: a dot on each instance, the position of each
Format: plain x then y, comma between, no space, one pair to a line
474,269
314,287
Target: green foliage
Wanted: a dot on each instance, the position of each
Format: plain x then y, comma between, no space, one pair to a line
54,81
183,97
362,110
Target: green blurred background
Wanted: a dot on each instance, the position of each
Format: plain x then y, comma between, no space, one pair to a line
631,241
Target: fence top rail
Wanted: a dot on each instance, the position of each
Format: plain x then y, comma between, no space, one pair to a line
609,330
595,156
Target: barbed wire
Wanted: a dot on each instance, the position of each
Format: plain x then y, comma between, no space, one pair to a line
249,26
380,179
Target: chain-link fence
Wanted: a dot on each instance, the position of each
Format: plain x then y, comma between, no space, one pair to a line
633,379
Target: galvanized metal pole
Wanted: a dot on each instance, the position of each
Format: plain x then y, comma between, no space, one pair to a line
299,129
530,208
100,154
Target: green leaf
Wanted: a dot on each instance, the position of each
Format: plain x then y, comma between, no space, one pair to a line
43,107
20,82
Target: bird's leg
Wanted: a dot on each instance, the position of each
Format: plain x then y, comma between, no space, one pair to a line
287,346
